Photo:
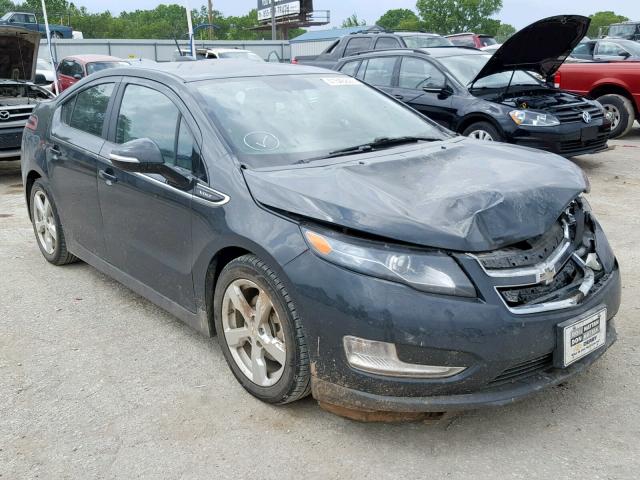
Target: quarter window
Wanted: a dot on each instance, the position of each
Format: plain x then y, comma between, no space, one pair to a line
387,42
89,109
380,71
350,68
416,73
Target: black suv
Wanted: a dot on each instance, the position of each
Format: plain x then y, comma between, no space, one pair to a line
496,98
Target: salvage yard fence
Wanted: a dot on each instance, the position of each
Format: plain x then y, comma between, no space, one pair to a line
161,50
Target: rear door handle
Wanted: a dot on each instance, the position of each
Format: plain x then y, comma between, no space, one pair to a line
108,178
55,152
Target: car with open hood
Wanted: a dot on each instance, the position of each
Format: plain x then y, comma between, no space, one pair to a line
18,92
500,97
372,258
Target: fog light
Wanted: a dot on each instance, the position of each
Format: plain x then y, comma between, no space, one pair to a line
381,358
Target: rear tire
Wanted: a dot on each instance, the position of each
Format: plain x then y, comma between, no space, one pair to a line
266,352
623,111
47,227
483,131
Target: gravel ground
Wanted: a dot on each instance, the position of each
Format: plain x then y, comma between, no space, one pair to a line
96,382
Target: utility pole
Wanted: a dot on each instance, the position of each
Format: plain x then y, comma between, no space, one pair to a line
273,20
210,12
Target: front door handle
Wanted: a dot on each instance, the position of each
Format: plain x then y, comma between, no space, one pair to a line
108,178
399,97
55,152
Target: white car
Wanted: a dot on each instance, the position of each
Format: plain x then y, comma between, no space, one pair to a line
236,53
44,72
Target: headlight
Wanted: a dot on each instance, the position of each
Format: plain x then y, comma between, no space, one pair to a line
533,119
426,271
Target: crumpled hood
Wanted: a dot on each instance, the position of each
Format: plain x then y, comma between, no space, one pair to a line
462,194
18,53
540,47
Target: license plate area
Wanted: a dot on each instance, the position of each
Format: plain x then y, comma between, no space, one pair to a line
589,133
577,338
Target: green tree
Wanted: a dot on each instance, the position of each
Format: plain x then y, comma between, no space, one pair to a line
353,21
454,16
601,20
399,19
504,32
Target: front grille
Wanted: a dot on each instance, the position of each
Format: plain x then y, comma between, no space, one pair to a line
524,369
573,112
14,114
10,141
575,147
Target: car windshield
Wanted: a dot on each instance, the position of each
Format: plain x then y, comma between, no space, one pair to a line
6,16
98,66
622,30
241,55
487,41
466,67
284,120
425,41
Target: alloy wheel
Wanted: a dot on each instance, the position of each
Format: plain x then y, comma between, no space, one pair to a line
253,332
45,222
481,135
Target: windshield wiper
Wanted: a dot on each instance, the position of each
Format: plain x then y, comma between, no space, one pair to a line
378,143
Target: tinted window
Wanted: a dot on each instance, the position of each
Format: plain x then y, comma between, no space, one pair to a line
350,68
463,41
380,71
90,109
610,49
30,19
487,41
356,45
362,69
98,66
70,68
425,41
147,113
582,49
416,73
387,42
187,153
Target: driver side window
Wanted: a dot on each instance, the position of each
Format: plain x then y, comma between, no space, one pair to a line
416,73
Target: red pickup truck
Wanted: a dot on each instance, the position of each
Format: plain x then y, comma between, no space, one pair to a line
616,85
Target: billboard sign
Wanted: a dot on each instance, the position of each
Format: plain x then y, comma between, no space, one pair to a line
284,8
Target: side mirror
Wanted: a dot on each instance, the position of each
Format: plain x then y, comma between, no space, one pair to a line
41,80
144,156
443,91
77,76
624,54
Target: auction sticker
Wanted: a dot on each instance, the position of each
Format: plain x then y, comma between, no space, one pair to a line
340,81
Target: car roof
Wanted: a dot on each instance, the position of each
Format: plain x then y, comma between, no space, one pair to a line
436,52
413,34
93,58
212,69
223,50
441,52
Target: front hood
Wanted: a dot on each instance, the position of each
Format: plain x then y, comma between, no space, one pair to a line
459,195
541,47
18,53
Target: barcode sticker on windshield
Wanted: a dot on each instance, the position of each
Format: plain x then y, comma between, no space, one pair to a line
340,81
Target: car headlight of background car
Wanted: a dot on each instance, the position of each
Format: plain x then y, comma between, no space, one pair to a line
533,119
432,272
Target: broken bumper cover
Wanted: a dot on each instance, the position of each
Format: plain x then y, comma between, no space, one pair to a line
497,396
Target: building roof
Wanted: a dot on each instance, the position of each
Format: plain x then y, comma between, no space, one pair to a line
333,33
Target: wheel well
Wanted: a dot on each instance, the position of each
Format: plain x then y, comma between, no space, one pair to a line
32,176
613,90
217,263
477,118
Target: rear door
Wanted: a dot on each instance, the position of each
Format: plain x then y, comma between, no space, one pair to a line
78,131
414,75
610,51
147,222
379,72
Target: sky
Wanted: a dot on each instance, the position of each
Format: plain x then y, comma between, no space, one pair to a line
518,13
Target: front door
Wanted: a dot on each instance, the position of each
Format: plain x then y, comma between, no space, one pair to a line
414,76
147,221
78,131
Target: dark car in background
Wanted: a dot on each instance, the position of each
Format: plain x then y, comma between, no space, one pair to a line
495,98
29,21
629,30
372,258
361,42
470,39
608,49
74,68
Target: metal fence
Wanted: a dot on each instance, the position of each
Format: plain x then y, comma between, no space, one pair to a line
161,50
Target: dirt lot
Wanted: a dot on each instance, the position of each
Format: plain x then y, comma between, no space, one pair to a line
96,382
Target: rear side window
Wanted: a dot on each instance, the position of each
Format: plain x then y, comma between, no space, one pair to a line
350,68
89,109
582,49
387,42
463,41
356,45
380,71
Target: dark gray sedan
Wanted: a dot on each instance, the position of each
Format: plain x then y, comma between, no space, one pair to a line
336,241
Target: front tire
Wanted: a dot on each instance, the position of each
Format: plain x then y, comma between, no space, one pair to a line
483,131
47,226
260,333
623,113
